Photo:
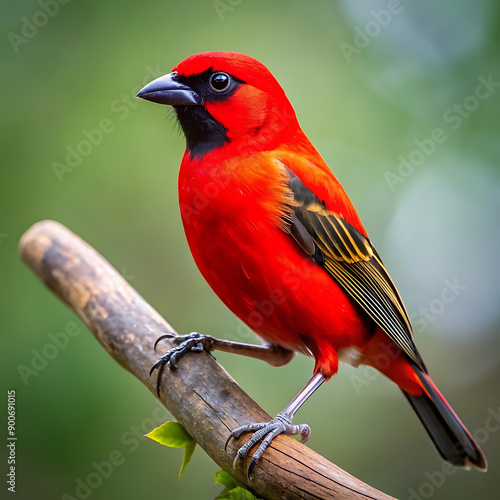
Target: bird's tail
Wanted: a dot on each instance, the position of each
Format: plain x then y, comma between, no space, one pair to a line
453,441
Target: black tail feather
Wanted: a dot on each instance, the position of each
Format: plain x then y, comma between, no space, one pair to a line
451,438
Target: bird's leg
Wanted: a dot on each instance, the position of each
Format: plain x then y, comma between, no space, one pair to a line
281,424
273,354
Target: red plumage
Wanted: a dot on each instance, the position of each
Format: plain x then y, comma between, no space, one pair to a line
290,257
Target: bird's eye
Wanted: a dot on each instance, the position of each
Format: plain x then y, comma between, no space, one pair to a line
220,81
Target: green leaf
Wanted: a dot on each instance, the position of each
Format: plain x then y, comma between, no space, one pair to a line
188,453
172,434
222,477
239,493
234,490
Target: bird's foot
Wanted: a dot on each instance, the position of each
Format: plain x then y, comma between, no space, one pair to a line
194,342
267,431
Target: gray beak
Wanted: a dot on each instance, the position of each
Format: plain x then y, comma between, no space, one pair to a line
165,90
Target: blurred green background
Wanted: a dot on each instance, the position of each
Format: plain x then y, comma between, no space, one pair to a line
387,93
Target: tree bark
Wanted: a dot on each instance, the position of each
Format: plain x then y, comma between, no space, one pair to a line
200,394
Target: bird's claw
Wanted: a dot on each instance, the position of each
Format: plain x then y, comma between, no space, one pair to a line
166,336
266,432
195,342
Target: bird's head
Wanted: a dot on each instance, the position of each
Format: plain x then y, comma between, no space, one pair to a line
225,99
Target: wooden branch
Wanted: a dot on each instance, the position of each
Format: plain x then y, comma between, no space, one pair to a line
200,394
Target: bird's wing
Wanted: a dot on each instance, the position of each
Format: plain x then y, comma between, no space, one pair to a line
351,260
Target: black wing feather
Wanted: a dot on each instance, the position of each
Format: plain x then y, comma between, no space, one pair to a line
352,261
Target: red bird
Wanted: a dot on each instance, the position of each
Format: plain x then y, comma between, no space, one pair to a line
278,240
